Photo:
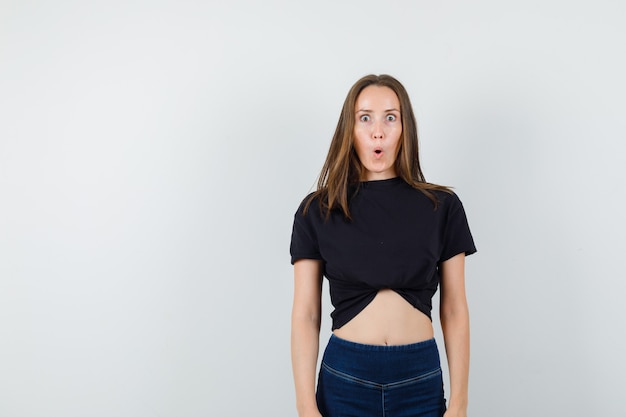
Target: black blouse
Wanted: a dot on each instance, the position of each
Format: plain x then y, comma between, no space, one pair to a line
396,239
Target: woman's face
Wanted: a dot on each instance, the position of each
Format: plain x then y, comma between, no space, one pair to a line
377,131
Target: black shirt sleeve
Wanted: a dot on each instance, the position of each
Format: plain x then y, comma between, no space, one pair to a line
457,237
304,244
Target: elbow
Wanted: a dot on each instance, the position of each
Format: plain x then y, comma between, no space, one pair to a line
455,315
306,320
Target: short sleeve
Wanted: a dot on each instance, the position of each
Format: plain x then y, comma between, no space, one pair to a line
304,244
457,237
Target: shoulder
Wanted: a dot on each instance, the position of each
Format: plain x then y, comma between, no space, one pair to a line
309,209
436,197
447,196
308,202
447,199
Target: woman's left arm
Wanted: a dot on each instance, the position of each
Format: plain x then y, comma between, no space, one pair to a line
454,315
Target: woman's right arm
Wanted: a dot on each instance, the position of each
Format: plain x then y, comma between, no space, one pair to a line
305,331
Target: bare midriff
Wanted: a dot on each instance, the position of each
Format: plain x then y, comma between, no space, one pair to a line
388,320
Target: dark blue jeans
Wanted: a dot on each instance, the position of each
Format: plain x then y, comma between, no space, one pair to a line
380,381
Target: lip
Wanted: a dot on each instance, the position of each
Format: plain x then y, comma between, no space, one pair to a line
378,152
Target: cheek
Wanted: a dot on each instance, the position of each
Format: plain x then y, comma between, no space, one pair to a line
358,148
398,141
358,140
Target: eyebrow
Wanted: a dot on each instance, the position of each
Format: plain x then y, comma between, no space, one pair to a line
372,111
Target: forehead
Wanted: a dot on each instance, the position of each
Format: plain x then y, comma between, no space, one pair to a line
375,96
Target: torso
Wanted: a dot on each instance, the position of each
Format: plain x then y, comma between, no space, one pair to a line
388,320
382,264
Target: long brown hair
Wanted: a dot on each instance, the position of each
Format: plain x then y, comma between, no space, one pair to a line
343,169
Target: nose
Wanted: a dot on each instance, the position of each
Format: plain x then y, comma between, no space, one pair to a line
377,131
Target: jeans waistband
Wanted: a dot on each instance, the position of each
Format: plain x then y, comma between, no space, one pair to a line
384,364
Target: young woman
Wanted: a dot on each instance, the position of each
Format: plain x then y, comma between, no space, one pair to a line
385,239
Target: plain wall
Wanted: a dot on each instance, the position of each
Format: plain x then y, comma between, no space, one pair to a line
153,153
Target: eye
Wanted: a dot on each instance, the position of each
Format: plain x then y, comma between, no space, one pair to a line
365,118
391,118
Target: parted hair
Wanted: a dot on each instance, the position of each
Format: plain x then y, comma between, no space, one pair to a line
342,170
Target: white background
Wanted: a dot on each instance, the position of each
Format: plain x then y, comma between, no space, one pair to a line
152,154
